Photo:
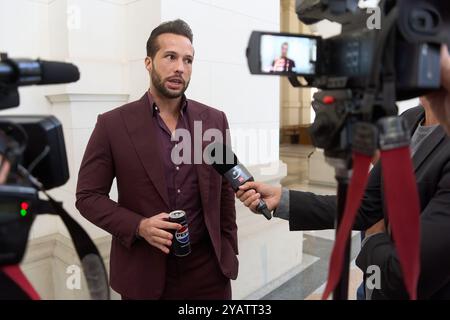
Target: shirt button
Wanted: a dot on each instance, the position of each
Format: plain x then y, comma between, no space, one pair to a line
178,168
178,191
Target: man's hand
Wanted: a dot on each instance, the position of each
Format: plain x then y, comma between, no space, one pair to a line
378,227
4,170
279,65
440,101
154,231
251,192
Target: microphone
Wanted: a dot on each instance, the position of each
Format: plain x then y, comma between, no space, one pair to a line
22,72
226,163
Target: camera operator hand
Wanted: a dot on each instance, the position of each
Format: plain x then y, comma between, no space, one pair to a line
440,101
5,166
251,192
153,230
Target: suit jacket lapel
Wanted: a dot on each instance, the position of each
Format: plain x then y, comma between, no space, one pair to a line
141,128
199,116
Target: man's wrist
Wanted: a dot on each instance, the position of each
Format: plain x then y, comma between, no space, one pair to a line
282,210
137,234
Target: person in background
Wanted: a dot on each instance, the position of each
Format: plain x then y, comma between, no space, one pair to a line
283,63
440,101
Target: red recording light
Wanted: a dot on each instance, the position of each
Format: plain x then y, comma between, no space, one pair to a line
24,206
328,99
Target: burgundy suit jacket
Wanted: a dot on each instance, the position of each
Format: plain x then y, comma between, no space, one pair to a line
124,146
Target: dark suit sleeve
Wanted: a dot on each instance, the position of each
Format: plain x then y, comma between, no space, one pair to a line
94,184
434,249
308,211
227,203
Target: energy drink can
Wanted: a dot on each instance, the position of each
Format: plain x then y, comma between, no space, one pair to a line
181,246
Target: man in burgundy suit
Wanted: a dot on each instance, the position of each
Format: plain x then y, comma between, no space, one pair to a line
133,144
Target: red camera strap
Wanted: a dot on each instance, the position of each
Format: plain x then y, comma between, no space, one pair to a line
403,208
403,212
358,182
16,275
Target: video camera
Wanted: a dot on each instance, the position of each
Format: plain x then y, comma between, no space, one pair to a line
363,70
34,146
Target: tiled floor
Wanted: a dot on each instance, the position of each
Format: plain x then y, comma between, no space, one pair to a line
309,283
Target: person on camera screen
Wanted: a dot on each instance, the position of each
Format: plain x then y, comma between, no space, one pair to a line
283,63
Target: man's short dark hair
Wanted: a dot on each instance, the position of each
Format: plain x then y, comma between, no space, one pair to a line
176,27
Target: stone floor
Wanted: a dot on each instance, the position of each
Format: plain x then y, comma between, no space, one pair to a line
310,282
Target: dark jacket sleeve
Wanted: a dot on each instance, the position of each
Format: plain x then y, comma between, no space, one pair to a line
94,184
434,249
308,211
227,203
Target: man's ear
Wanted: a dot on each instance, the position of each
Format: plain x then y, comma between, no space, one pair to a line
148,64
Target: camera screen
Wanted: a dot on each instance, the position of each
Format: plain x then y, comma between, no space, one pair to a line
288,54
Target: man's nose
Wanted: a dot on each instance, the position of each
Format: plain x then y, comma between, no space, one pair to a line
180,66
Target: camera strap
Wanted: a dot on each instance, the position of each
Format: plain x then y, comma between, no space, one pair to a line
92,263
402,203
358,182
90,258
17,285
403,208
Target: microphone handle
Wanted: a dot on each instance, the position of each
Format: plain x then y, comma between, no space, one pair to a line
262,208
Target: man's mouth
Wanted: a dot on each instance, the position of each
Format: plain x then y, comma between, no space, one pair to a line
175,83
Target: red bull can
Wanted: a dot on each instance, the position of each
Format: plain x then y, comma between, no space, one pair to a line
181,245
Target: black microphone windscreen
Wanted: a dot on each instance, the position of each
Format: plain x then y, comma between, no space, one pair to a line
221,157
53,72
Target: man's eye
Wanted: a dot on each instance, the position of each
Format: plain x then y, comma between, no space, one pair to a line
171,57
188,61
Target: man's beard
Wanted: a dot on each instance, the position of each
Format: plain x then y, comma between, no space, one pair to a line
158,83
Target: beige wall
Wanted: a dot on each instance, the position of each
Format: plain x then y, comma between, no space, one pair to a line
295,104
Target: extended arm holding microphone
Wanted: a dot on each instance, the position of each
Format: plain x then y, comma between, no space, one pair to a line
252,192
